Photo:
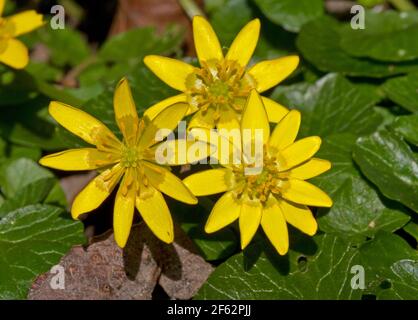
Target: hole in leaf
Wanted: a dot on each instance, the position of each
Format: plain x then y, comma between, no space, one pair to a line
385,284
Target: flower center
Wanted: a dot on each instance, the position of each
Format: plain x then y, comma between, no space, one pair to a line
217,84
130,157
261,185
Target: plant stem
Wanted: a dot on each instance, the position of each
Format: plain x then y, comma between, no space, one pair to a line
191,8
403,5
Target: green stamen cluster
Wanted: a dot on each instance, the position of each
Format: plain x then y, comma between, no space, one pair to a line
219,84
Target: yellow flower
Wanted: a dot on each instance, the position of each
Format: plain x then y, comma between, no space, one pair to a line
277,193
131,161
218,90
13,52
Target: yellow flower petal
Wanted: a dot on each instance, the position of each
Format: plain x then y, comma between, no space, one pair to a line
125,111
203,119
14,53
225,211
285,132
299,152
96,191
166,182
254,118
249,220
154,110
80,123
228,120
205,40
123,212
173,72
153,209
167,119
243,46
25,22
275,111
209,182
269,73
312,168
299,216
78,159
303,192
274,225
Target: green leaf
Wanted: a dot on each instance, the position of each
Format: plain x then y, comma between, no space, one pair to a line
388,36
358,212
16,152
412,229
19,174
16,87
333,105
407,126
391,165
337,149
32,240
192,219
403,91
133,45
289,14
319,43
31,193
67,46
273,41
56,196
320,271
30,125
43,71
391,267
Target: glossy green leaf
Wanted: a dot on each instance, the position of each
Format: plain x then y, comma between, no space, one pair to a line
333,105
32,193
133,45
391,165
391,267
19,174
317,268
403,91
319,43
358,212
32,240
407,126
289,14
387,36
